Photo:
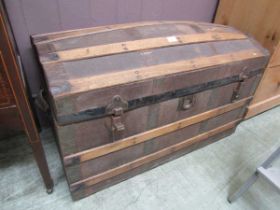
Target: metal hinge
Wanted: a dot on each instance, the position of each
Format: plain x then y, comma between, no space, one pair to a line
236,92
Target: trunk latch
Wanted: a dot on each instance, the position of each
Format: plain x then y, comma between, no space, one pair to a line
236,92
116,109
117,124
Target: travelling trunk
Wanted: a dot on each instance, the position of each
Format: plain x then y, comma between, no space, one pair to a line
126,98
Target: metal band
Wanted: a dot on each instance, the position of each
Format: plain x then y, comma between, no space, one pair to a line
153,99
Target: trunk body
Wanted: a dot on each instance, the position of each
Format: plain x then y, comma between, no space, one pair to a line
126,98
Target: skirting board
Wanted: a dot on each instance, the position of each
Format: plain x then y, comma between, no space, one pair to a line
262,106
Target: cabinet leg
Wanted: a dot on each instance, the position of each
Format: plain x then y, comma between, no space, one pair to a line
13,74
40,158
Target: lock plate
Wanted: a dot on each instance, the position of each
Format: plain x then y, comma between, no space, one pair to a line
186,102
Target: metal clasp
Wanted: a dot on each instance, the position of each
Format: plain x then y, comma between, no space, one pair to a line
186,102
117,124
117,108
236,92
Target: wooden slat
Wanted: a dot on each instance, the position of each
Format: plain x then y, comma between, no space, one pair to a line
149,158
124,77
262,106
57,36
41,39
136,45
148,135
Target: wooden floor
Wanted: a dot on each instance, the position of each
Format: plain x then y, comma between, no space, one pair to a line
200,180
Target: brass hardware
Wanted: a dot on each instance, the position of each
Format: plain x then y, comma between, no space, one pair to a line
242,77
116,104
186,102
116,108
236,92
117,124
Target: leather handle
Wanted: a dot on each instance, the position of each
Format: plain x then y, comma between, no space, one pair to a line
41,102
